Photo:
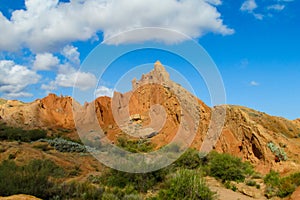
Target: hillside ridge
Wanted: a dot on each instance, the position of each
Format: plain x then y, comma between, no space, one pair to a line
246,133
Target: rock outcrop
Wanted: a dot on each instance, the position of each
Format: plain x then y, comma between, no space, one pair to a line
157,108
296,194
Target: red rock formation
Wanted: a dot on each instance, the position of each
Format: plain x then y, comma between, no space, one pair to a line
163,106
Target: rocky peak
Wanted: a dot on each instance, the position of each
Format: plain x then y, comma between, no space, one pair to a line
158,75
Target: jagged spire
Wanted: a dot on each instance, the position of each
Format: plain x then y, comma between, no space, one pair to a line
158,75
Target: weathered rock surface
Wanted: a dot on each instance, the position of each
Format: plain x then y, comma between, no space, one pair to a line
296,194
157,108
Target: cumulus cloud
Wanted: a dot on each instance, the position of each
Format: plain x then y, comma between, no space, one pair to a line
69,77
254,83
46,25
15,78
258,16
45,61
71,53
104,91
249,6
276,7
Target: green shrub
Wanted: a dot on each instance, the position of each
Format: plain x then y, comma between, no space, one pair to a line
109,196
189,160
277,151
228,168
251,183
139,182
32,179
78,191
18,134
230,186
234,188
135,146
186,185
63,145
282,187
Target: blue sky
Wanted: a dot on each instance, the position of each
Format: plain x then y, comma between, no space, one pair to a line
254,43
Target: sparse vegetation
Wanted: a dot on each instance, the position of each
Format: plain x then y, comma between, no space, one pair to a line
228,168
251,183
63,145
189,160
138,182
32,179
186,184
18,134
76,191
281,187
135,146
277,151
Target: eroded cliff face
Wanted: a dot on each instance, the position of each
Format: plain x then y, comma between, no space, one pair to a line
157,108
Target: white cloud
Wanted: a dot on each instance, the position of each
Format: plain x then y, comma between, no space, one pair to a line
258,16
18,95
104,91
249,6
254,83
50,87
46,25
15,78
214,2
45,61
276,7
69,77
71,53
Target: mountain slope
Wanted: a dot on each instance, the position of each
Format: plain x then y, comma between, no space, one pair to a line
157,108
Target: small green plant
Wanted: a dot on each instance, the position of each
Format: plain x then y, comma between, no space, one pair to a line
272,178
186,185
282,187
234,188
135,146
12,156
230,186
277,151
63,145
251,183
76,190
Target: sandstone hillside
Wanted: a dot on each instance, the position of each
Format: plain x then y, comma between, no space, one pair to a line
156,109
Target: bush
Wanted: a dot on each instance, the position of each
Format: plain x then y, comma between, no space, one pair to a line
63,145
186,184
75,190
32,179
135,146
272,178
18,134
228,168
138,182
251,183
278,152
189,160
281,187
